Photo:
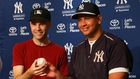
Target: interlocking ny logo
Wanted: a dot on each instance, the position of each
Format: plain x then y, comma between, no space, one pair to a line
18,7
68,4
69,48
121,1
99,56
81,7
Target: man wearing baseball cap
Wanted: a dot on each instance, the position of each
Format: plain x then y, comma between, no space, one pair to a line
101,55
26,54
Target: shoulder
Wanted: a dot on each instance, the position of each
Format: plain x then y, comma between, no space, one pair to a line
56,46
23,43
113,41
82,43
81,46
112,38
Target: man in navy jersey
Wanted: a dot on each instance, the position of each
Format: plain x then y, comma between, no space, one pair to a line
101,55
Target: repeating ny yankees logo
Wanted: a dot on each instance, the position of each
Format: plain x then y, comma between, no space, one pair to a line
121,1
86,1
99,56
18,7
68,4
18,12
68,8
122,6
69,48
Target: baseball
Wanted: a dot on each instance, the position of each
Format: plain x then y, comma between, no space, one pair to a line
41,61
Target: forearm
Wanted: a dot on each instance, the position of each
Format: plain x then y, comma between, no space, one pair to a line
26,75
118,75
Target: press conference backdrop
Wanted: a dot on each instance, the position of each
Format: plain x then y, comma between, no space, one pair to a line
120,17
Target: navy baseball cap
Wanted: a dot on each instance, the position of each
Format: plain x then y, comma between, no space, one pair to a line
86,8
40,14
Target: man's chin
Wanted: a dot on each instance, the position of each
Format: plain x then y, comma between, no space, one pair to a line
38,38
86,34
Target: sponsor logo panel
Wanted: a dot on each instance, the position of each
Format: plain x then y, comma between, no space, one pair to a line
18,11
122,6
15,31
66,28
126,23
68,8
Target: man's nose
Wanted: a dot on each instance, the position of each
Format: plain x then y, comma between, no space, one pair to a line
83,22
38,27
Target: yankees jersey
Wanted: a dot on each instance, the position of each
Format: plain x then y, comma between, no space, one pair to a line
108,52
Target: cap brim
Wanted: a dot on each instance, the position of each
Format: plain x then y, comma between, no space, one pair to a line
38,18
74,16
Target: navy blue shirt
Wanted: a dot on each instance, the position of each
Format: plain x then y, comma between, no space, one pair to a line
108,52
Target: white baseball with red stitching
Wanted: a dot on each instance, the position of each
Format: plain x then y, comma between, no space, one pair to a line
41,61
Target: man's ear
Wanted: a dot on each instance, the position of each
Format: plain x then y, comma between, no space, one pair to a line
99,19
49,24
